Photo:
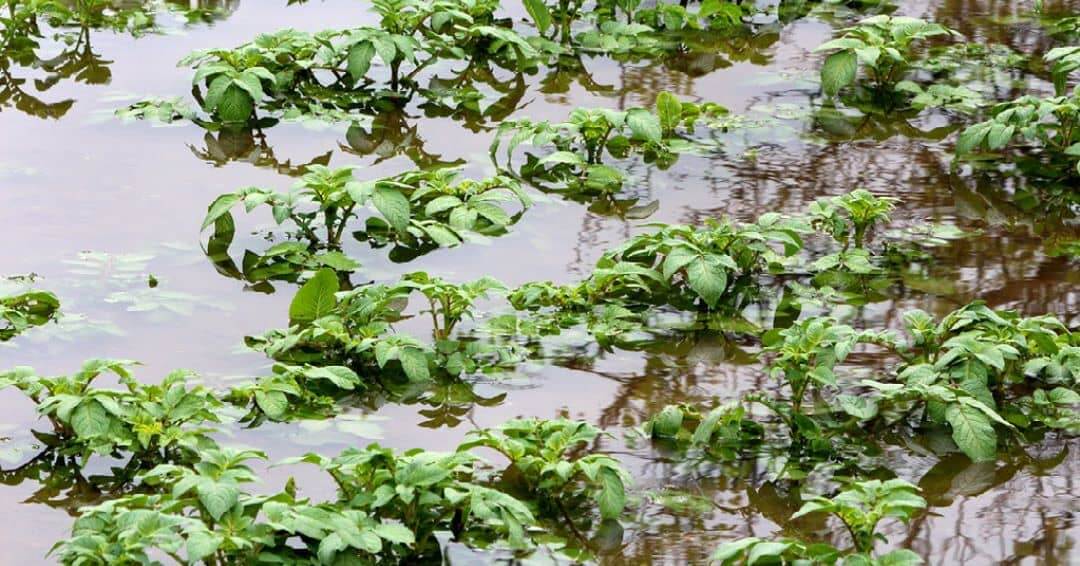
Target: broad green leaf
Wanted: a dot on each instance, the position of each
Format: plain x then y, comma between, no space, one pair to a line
394,207
415,363
540,14
235,106
644,125
395,533
838,71
219,208
972,431
360,56
316,298
217,498
612,497
707,278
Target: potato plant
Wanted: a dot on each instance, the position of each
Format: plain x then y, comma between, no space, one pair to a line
581,142
882,46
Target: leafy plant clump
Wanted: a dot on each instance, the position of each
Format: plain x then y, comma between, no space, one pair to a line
1047,128
389,507
355,328
859,507
581,142
883,46
415,211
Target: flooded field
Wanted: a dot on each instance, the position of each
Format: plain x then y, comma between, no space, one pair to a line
106,211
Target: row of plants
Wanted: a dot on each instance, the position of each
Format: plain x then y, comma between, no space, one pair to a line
182,494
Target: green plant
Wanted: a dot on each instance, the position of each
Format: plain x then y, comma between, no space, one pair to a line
414,209
882,45
354,328
725,431
427,492
294,392
163,422
860,507
848,218
547,455
1049,125
581,142
22,311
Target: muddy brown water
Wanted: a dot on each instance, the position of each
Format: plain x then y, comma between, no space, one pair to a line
93,206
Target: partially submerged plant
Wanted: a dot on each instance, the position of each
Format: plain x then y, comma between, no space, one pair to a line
588,135
860,507
155,423
1048,126
882,46
548,456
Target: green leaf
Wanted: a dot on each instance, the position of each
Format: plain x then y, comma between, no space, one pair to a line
395,533
766,550
316,298
235,106
707,278
838,71
612,497
219,208
217,498
858,407
394,207
415,363
539,13
90,420
669,109
668,422
644,125
360,60
972,431
899,557
201,544
273,403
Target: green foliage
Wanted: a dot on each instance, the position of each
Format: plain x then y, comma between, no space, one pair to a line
1049,125
724,432
860,507
426,492
883,46
581,142
548,456
416,210
848,218
295,392
22,311
162,422
354,328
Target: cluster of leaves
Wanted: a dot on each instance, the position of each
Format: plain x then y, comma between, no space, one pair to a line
849,219
548,458
883,46
22,311
581,142
355,328
154,423
725,432
860,507
416,211
1048,125
188,496
389,507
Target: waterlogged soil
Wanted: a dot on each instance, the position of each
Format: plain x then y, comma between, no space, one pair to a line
94,206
